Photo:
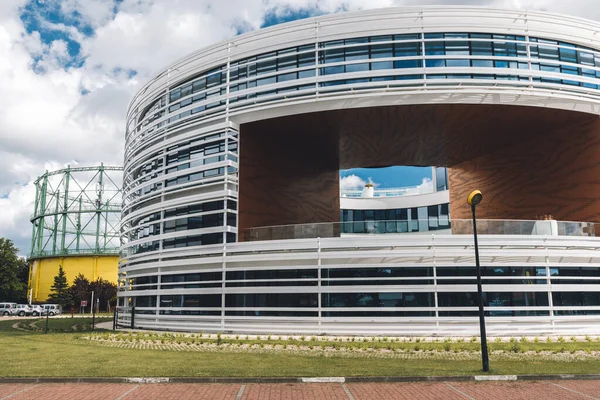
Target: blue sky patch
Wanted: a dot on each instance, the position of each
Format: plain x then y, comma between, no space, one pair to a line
277,16
41,16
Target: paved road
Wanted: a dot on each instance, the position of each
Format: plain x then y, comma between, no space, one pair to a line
546,390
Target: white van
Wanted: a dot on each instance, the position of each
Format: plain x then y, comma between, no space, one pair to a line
7,309
52,309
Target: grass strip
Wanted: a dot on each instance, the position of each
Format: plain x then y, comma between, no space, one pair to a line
65,354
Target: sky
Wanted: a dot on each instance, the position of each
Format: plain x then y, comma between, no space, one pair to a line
68,69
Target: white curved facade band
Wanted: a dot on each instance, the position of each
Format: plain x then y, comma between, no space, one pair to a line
182,142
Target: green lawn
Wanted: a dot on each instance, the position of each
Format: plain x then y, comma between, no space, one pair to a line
26,353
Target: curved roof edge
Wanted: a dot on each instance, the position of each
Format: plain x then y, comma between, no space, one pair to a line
420,18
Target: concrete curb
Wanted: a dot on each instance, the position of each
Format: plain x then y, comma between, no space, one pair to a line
350,379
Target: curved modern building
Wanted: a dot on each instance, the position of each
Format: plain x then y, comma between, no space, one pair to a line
232,216
75,226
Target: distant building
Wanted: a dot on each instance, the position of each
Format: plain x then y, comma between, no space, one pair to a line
76,226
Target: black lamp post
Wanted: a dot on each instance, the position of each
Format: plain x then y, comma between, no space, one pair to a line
473,200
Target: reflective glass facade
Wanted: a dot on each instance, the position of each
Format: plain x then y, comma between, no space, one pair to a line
269,290
402,220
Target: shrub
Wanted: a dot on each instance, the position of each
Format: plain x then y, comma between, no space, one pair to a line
515,348
447,346
498,340
561,339
473,339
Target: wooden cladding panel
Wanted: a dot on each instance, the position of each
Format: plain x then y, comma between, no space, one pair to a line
288,175
289,165
555,174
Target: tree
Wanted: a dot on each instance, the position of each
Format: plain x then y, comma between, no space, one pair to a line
104,291
80,290
14,272
60,289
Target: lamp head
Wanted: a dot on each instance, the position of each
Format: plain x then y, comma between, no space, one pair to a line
474,198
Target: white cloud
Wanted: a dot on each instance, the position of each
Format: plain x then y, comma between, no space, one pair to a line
46,120
14,217
426,186
352,182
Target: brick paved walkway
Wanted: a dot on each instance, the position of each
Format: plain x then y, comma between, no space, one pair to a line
546,390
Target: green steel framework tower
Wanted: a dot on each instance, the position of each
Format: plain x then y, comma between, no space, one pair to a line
77,212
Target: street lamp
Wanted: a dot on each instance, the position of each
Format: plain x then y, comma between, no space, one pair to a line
473,200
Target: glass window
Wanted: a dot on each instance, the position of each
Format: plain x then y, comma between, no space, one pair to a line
145,301
548,52
190,300
382,50
199,85
408,49
441,178
434,48
272,300
377,300
357,67
272,274
435,63
186,90
175,95
457,48
481,48
357,53
457,63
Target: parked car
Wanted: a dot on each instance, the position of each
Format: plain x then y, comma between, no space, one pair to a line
52,309
7,309
37,310
23,310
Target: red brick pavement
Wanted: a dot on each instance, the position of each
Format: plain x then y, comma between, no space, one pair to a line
517,390
8,389
295,391
546,390
409,390
73,391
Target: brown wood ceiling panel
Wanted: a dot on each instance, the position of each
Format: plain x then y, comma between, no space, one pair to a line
289,165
